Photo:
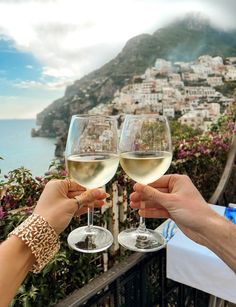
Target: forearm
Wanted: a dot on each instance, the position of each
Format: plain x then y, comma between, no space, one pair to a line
220,237
16,259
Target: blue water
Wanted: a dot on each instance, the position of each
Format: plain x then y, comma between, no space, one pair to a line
18,148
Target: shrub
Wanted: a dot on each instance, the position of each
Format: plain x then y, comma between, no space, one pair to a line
203,156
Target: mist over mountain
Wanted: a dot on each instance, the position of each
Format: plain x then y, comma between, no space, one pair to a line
182,40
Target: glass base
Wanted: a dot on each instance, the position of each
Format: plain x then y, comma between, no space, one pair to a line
90,239
141,241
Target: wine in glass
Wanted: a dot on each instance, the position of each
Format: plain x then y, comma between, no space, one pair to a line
92,160
145,155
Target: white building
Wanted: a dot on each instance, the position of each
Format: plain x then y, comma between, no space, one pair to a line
213,110
200,91
215,81
231,60
190,76
147,86
163,67
174,77
160,83
230,74
169,112
147,99
202,70
183,66
195,119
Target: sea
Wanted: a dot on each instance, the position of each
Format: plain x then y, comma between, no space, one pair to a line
18,148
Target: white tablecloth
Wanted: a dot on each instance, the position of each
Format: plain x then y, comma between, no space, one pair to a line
195,265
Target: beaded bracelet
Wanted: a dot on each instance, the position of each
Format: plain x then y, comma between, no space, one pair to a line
40,237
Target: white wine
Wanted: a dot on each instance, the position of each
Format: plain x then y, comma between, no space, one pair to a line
92,171
145,167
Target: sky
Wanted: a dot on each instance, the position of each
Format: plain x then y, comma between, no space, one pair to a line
45,45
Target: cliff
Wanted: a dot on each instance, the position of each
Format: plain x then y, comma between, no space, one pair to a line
183,40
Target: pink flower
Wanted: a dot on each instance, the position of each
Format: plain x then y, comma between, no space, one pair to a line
182,154
2,213
63,173
29,201
231,126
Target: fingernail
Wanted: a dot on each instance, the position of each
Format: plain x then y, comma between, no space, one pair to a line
103,192
99,192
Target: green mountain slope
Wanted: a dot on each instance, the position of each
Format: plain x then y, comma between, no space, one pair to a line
182,40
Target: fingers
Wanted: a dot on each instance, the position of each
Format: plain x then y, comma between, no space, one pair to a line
84,209
90,196
148,193
145,205
74,194
166,181
136,197
81,211
162,182
72,186
154,213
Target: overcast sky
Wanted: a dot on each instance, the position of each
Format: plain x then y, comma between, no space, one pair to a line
47,44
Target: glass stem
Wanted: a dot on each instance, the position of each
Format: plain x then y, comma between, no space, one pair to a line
142,226
90,217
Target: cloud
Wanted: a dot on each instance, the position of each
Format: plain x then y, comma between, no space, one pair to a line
52,86
27,1
72,37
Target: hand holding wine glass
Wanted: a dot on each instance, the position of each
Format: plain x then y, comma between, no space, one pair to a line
145,155
92,160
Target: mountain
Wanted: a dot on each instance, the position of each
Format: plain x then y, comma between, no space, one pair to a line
182,40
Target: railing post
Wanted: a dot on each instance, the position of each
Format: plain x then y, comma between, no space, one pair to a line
123,206
143,291
117,300
163,279
115,217
105,254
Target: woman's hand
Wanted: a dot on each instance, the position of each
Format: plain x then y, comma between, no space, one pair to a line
57,203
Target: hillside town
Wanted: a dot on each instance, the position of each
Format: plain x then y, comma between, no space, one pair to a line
188,91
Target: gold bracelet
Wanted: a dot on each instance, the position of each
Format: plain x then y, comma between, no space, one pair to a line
40,237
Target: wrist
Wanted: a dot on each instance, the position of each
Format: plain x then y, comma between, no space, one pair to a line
40,237
54,219
49,220
214,230
220,237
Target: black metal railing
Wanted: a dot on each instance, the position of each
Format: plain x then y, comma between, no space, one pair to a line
138,281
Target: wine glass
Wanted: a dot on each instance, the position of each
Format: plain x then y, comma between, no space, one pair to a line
92,160
145,155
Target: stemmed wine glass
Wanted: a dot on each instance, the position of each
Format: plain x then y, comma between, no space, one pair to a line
92,160
145,155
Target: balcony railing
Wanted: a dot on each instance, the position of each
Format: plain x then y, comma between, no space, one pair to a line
137,281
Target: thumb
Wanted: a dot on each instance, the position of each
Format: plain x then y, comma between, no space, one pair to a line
152,195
